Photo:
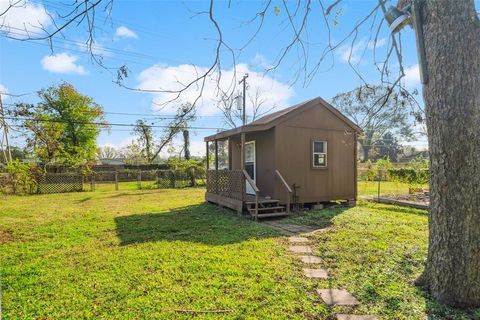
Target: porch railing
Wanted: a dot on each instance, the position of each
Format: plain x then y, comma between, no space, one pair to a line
255,189
286,187
227,183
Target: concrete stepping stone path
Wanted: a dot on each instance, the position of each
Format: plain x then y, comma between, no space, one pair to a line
354,317
300,249
338,297
332,297
311,259
298,240
316,273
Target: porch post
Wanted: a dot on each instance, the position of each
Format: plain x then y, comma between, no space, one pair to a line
216,154
229,153
207,154
242,151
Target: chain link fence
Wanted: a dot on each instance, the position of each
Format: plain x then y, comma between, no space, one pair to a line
102,181
399,184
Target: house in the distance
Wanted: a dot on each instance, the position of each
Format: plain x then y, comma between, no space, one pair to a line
304,154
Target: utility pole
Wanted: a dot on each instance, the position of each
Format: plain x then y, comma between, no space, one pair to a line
244,81
7,154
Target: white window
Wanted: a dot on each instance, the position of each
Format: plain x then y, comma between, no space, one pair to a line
319,154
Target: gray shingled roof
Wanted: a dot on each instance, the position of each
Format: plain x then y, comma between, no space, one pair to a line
275,115
268,121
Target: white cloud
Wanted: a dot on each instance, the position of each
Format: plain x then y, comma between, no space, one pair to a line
162,77
62,63
412,76
23,18
3,89
96,49
353,54
125,33
261,61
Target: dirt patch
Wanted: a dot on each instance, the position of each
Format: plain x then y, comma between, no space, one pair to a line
6,235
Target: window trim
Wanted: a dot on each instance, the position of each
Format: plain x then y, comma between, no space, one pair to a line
325,152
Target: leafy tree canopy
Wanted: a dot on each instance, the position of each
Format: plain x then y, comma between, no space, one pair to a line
378,110
63,126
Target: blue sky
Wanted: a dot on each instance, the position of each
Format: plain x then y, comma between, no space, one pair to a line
160,41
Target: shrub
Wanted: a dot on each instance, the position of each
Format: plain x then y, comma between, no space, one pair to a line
412,176
23,177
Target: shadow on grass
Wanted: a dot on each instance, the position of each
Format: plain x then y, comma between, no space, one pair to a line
397,209
124,194
84,199
316,218
202,223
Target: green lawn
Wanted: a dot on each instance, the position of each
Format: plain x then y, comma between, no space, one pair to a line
143,254
369,188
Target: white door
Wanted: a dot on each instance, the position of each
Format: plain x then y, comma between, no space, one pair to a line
250,165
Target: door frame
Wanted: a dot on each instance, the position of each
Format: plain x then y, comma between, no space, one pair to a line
248,188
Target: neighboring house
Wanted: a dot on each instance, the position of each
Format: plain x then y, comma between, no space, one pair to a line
110,162
304,154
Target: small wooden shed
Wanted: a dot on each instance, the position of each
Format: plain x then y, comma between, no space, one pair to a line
303,154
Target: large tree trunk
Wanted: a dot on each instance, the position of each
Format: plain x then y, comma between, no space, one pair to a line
452,97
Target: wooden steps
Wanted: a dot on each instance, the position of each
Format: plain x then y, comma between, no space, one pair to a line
262,201
273,214
266,208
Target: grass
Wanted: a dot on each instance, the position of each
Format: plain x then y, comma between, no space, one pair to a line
142,254
376,252
369,188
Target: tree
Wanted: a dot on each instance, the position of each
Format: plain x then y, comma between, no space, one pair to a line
133,154
145,139
186,144
150,146
107,152
452,104
376,111
63,127
17,154
388,147
257,106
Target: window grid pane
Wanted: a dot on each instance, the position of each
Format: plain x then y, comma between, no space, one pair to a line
318,147
319,153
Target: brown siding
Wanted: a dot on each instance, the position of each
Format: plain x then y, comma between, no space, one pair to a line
265,157
294,156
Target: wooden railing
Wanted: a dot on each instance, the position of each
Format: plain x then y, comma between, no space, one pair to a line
255,189
286,187
226,183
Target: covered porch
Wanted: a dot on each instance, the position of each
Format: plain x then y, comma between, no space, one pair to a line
241,173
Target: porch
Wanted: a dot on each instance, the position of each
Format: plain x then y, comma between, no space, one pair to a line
234,180
227,188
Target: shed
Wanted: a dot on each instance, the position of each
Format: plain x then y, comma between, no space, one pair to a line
304,154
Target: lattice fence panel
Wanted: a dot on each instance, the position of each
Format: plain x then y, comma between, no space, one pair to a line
227,183
60,182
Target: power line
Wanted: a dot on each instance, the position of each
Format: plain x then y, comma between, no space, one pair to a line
87,48
156,116
109,124
111,129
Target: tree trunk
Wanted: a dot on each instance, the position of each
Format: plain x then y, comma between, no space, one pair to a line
452,98
366,153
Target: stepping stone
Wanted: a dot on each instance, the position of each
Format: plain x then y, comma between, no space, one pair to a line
316,273
300,249
311,259
339,297
298,239
354,317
